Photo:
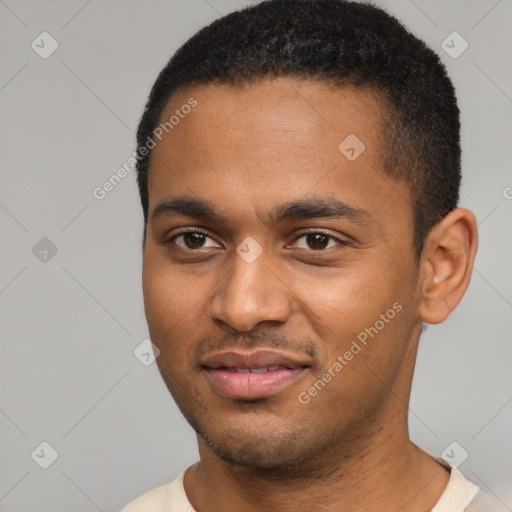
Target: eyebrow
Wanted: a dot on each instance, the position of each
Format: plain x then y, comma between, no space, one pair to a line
302,209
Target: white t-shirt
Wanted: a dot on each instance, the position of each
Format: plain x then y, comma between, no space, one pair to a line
460,495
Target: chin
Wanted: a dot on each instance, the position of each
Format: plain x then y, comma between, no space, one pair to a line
252,449
256,457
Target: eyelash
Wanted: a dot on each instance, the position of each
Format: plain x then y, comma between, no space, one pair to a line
340,243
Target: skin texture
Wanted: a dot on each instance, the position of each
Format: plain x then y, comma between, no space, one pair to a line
248,150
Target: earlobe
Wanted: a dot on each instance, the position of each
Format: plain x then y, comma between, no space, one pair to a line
446,265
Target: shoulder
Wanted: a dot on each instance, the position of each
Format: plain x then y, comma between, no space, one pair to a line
484,502
166,498
462,495
155,500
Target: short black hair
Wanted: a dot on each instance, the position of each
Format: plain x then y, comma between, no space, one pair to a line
344,43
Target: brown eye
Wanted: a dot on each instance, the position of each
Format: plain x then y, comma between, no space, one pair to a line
193,240
317,241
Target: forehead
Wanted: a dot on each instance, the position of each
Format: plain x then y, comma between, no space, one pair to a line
280,110
272,140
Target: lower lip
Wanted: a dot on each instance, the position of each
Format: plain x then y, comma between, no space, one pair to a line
250,386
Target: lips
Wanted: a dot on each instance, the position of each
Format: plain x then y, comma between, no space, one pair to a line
252,375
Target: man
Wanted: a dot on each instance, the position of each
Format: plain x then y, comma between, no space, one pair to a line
299,173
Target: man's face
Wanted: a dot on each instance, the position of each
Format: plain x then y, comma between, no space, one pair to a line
255,287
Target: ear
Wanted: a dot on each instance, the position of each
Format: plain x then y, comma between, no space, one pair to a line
446,265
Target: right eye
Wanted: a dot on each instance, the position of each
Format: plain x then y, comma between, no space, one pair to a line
192,239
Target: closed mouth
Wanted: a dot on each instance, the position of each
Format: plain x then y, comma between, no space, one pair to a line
251,375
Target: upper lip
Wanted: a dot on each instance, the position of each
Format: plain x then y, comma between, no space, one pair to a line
253,359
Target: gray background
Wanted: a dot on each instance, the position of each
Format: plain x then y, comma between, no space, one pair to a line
70,323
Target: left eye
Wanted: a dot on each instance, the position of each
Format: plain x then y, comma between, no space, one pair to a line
193,240
317,241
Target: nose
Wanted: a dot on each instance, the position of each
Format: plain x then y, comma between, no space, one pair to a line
250,293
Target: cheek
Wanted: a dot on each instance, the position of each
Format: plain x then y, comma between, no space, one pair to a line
168,303
157,296
176,311
366,304
351,297
167,293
